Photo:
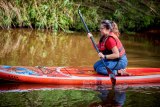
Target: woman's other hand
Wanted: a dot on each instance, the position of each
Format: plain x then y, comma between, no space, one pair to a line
101,55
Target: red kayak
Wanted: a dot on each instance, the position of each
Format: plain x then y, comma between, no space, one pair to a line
75,76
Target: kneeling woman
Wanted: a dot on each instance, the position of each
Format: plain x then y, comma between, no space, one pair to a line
111,50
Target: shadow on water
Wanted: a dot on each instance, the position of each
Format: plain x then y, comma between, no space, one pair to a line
27,47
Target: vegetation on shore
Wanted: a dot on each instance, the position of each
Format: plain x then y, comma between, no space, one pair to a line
131,15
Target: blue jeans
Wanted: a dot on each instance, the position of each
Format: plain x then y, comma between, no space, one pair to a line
113,65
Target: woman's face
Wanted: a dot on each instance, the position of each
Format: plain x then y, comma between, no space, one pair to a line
103,30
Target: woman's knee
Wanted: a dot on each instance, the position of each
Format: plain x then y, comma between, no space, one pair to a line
98,63
101,70
95,66
122,65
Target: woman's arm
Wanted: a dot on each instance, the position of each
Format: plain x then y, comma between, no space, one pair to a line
114,55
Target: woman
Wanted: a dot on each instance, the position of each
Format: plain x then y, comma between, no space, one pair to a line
111,50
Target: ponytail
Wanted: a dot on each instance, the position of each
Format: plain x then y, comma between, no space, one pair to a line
115,29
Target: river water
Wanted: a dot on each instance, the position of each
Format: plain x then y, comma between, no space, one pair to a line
26,47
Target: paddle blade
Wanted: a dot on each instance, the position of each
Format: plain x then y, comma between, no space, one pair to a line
112,76
113,79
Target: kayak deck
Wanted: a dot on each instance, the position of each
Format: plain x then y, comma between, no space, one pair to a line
75,75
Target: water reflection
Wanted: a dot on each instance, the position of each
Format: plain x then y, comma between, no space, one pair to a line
41,95
141,52
23,47
114,97
48,98
45,48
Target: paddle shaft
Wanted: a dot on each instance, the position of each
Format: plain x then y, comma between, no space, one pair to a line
111,75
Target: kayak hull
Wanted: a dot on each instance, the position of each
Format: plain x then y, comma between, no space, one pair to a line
75,76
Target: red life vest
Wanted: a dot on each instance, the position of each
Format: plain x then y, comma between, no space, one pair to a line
102,45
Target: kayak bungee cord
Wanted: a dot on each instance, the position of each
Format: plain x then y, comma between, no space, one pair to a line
111,75
46,70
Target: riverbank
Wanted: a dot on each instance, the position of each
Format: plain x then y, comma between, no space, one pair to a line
62,15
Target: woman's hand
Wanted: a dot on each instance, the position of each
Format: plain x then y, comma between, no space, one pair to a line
89,35
101,55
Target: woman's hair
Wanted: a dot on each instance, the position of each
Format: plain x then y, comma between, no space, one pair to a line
112,26
107,24
115,29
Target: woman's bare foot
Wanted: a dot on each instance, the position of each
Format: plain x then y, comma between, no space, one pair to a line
122,72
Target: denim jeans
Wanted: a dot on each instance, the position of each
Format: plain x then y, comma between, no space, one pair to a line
114,65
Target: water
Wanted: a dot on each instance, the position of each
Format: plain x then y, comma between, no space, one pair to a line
26,47
93,96
31,48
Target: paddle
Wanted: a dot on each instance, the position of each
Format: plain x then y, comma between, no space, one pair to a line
111,75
